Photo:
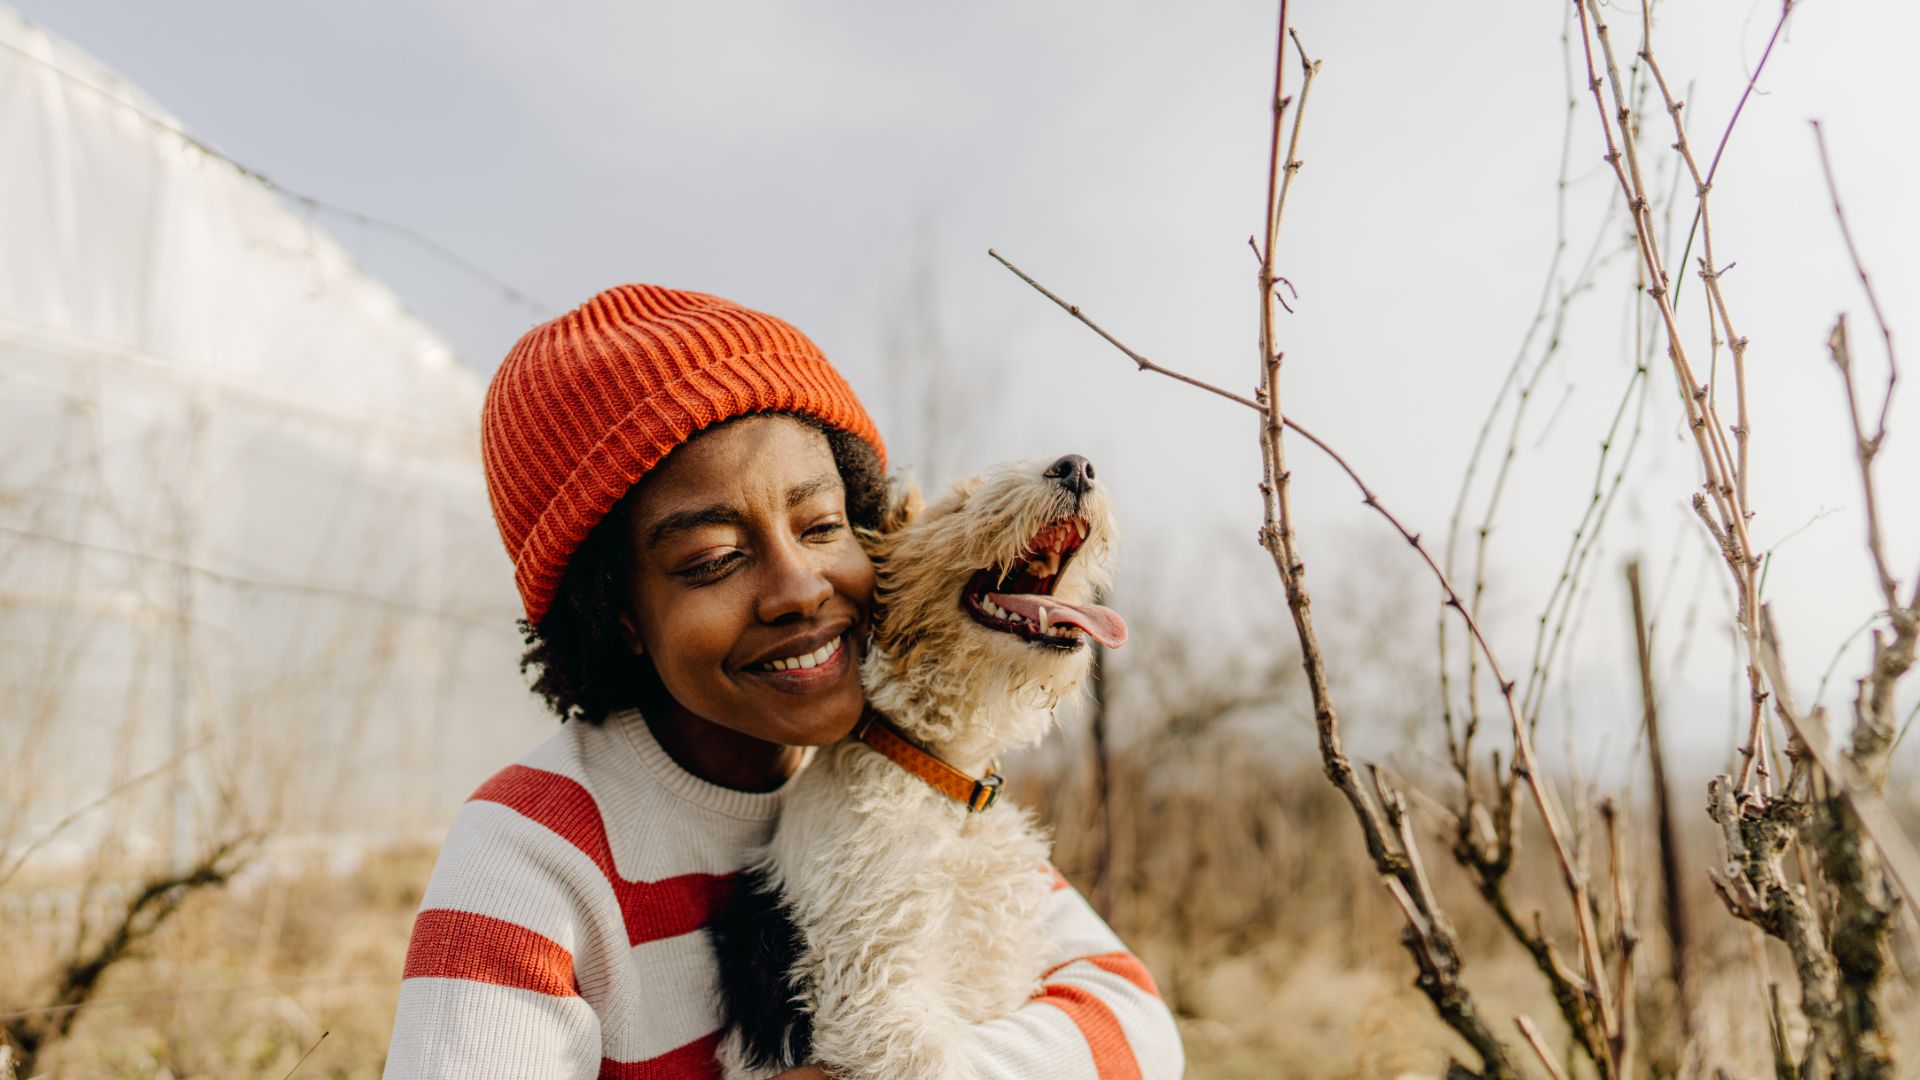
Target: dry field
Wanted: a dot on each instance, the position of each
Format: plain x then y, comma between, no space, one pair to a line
1247,896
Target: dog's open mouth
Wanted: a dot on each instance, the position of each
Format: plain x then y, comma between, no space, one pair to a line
1020,600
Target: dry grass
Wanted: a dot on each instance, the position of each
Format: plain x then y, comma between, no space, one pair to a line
1237,880
1253,903
242,983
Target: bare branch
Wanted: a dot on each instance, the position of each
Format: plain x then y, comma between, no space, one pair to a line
1902,861
74,989
1627,938
1277,203
10,869
1866,447
1723,474
1142,362
1672,897
1726,135
1873,301
1540,1050
1709,268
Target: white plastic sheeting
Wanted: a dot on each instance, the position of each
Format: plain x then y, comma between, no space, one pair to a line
243,531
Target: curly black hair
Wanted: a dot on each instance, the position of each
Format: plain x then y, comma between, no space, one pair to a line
586,670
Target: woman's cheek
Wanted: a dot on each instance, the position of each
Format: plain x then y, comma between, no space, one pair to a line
852,576
694,632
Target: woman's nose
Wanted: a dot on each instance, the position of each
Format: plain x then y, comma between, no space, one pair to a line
795,587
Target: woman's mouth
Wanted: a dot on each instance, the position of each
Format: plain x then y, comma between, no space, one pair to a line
806,672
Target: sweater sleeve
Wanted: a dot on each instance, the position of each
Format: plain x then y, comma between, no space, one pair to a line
490,987
1097,1016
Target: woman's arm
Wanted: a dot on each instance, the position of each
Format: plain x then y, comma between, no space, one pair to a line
489,987
1098,1015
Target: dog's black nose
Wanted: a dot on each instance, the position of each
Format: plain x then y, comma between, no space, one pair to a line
1074,472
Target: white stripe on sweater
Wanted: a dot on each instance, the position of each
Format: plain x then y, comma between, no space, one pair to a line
466,1029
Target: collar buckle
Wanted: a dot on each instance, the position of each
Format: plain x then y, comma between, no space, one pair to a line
985,791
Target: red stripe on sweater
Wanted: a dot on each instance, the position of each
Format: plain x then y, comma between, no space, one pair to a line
694,1061
652,909
461,945
1123,964
1112,1055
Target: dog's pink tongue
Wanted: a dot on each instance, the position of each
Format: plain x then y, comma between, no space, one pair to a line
1105,624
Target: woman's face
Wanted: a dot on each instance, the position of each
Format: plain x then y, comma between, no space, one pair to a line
750,592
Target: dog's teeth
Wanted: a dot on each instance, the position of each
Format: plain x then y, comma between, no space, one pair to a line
1046,624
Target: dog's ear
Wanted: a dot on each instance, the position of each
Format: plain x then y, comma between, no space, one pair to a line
904,503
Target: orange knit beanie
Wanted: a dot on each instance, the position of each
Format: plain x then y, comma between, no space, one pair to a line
585,404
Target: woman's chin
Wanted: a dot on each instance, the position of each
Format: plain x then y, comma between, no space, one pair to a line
827,722
814,706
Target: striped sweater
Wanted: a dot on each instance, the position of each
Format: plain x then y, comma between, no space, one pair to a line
562,935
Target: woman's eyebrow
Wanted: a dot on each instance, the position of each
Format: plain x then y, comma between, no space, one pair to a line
721,514
807,489
684,520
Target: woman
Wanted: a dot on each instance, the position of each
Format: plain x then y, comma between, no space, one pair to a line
677,479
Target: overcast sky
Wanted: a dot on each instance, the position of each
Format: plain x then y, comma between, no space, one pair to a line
847,165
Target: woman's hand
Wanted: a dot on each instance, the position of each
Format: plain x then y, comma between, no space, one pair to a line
805,1072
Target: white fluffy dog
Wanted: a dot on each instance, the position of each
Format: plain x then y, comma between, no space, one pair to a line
888,914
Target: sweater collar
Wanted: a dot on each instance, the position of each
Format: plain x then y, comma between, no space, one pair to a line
746,805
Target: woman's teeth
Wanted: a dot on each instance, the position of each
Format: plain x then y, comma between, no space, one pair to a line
813,659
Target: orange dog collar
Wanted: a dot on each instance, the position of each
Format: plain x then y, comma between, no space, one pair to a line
879,733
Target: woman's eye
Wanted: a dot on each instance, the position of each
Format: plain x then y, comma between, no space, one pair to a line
710,569
826,530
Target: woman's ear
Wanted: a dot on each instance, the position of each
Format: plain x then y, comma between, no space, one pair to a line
904,503
630,629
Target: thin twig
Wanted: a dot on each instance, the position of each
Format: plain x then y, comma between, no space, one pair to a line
1620,1041
1868,445
1540,1050
1859,268
1673,902
88,807
1429,939
1905,726
308,1054
1710,269
1726,135
1550,631
1277,204
1723,480
1460,748
1140,361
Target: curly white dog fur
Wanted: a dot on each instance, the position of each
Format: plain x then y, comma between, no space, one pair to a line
912,916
